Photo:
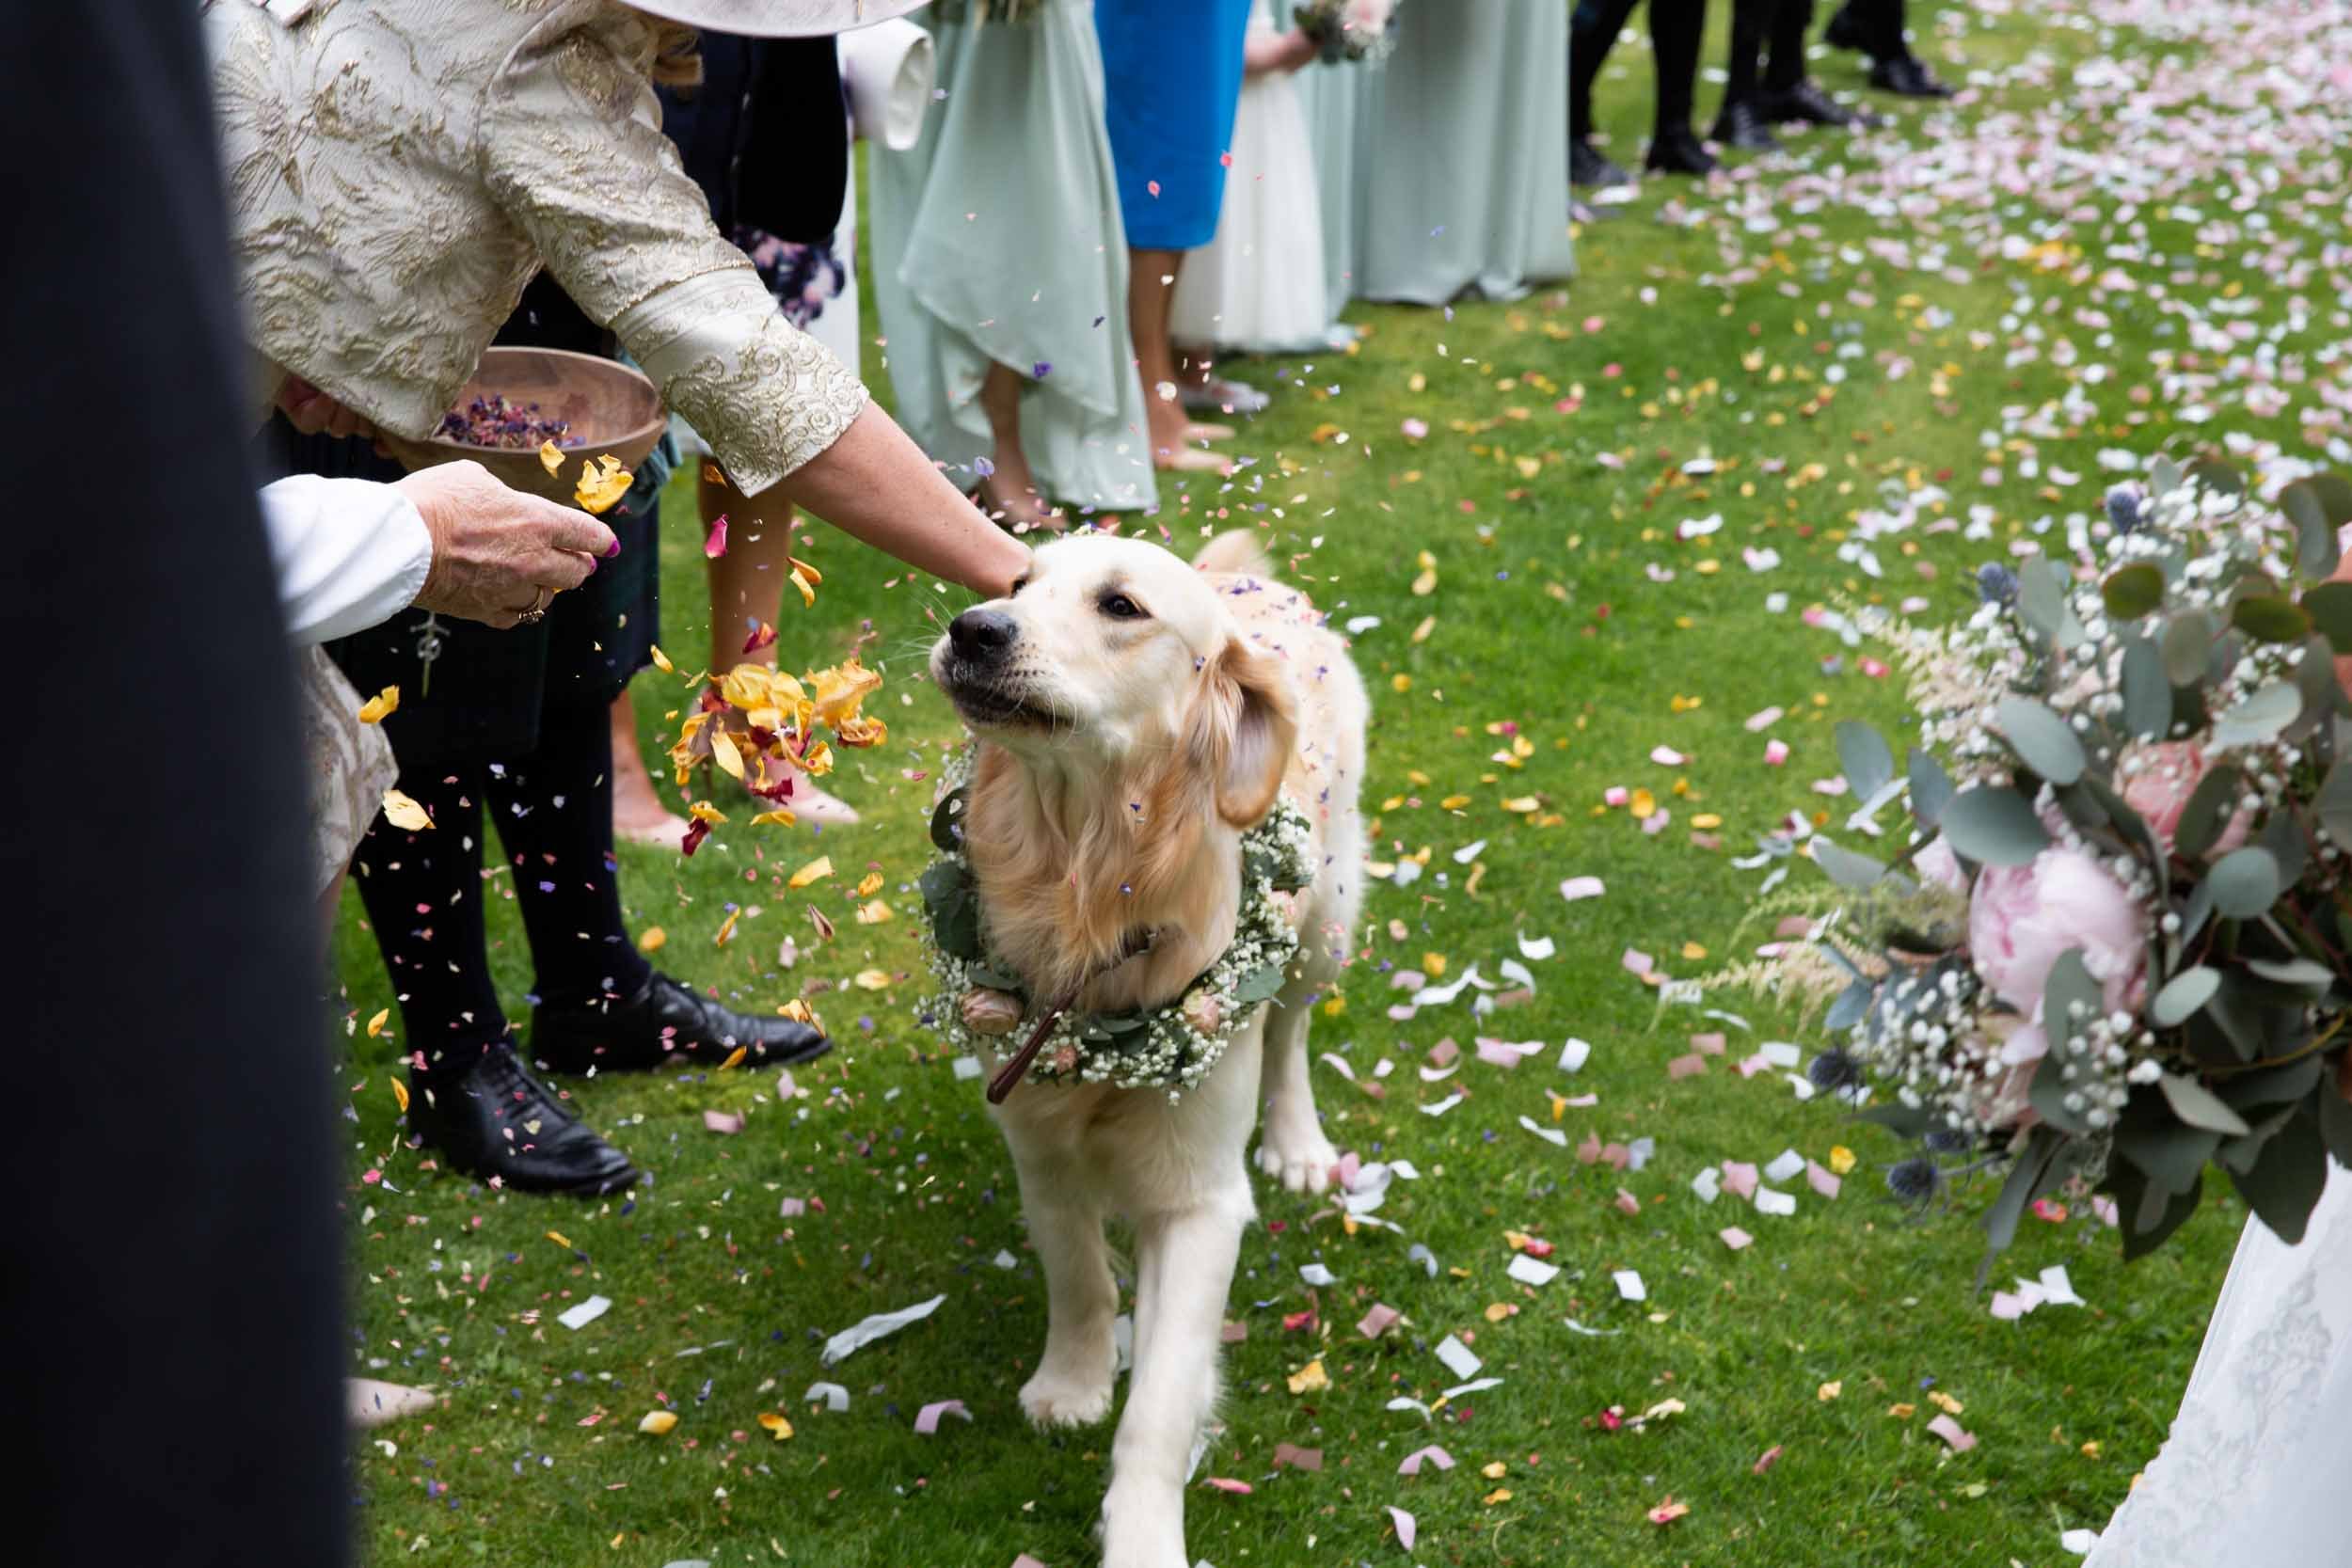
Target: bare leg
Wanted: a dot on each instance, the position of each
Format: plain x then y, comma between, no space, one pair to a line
638,813
747,586
1150,291
1071,1385
1011,495
1184,1266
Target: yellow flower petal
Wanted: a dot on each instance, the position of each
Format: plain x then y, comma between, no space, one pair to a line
777,819
380,707
376,1024
808,590
1829,1391
735,1057
702,811
723,749
841,689
657,1423
551,457
873,979
873,913
1841,1159
869,884
558,1238
400,1096
601,484
1309,1379
651,939
1644,805
401,811
777,1426
727,928
816,870
660,660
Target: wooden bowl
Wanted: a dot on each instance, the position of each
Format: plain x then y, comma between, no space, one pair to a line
610,408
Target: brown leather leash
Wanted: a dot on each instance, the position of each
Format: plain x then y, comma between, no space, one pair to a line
1008,1076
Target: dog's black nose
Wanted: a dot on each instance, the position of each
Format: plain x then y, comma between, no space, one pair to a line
981,636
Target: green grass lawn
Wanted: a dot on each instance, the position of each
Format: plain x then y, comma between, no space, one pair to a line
1522,559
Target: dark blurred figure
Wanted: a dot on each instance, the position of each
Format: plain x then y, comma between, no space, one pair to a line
1675,27
1762,93
1875,27
174,1297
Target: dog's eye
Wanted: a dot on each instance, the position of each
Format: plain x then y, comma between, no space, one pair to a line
1018,583
1118,606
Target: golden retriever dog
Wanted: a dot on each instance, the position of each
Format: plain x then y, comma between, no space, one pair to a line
1134,717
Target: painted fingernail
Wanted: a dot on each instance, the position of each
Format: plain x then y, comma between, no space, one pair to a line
615,549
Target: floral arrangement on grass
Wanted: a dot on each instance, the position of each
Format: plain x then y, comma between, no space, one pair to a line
2114,949
1348,29
758,725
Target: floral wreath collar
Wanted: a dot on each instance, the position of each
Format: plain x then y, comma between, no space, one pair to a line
1171,1046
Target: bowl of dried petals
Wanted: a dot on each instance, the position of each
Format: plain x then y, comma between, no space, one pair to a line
567,426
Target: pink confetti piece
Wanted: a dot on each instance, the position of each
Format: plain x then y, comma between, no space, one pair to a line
1751,1066
1775,753
1739,1179
1232,1333
1655,823
1766,1460
1952,1433
1617,1156
792,1208
1378,1321
1708,1045
2009,1307
1628,1203
715,544
1443,1052
1297,1458
1405,1528
1666,756
1734,1238
1616,795
1686,1066
1588,1152
1026,1561
1832,787
1794,925
1764,719
1577,888
1637,962
1495,1054
1431,1455
927,1418
1226,1483
722,1121
1825,1181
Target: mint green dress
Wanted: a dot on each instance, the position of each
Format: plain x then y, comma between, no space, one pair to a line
1457,178
997,238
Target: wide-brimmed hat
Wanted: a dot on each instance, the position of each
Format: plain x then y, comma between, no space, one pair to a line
778,18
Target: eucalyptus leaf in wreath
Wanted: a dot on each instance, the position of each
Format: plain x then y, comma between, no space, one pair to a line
2259,717
2182,995
1845,867
2285,1180
2188,646
2245,883
1262,984
2131,592
2147,694
946,821
2216,794
2318,506
2272,618
2197,1105
1931,789
2329,606
953,903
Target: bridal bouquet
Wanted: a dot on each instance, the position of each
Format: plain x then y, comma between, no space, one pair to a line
2111,949
1348,29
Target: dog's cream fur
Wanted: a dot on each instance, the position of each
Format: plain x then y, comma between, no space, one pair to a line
1121,758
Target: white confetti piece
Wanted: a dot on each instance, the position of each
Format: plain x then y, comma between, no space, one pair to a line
866,1330
1535,949
1475,1386
1315,1274
966,1068
1630,1284
1788,1165
1770,1201
1005,1259
1469,852
585,1313
1532,1270
1707,1184
1418,1253
836,1397
1574,1054
1576,888
1442,1106
1457,1358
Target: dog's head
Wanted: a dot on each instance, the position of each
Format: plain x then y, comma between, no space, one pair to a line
1114,655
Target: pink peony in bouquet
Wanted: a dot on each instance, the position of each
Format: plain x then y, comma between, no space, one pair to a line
2114,945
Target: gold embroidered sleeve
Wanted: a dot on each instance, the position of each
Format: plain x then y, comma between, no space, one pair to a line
570,152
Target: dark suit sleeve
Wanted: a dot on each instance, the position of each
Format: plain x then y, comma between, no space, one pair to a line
173,1289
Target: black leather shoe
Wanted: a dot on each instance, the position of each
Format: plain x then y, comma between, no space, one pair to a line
1738,126
1588,166
1806,101
1908,77
1679,152
1842,33
496,1120
664,1018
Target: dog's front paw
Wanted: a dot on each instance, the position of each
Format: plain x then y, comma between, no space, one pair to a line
1300,1156
1057,1397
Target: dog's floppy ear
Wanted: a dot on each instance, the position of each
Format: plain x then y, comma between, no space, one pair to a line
1246,728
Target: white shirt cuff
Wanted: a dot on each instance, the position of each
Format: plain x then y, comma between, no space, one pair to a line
350,553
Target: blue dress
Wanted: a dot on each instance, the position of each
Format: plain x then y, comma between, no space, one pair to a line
1172,73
